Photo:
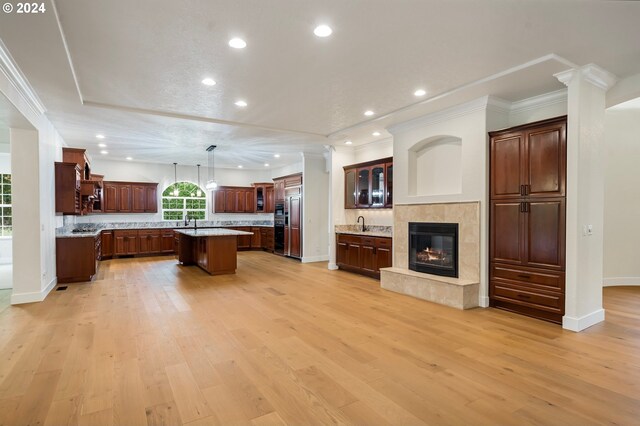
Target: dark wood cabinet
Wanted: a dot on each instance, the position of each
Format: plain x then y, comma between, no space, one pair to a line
107,245
256,238
130,197
279,189
234,199
244,241
267,239
264,201
527,219
295,227
150,241
77,258
125,243
369,185
68,178
362,254
167,241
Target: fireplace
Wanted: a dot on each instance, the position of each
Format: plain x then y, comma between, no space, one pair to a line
433,248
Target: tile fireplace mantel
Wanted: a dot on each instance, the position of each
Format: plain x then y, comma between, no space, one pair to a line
462,292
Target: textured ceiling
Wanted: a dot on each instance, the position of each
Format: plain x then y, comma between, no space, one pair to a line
138,67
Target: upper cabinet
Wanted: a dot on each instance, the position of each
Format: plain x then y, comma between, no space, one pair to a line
234,199
369,185
529,161
287,185
68,184
130,197
264,201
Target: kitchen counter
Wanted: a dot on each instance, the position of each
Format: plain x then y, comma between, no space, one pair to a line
371,230
66,231
213,232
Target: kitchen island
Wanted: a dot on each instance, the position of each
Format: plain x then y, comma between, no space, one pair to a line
213,250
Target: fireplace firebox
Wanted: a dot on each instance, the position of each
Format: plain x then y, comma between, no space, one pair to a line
433,248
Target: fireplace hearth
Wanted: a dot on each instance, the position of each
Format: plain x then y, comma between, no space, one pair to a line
433,248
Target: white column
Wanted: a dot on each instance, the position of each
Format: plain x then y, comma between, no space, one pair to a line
25,170
587,88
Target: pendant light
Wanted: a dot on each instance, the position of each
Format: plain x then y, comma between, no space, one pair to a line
211,181
199,190
176,192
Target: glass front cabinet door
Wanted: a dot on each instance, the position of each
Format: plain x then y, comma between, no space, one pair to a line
377,186
369,185
350,189
364,199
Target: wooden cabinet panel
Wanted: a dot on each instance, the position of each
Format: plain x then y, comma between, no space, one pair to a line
67,183
149,241
368,261
342,253
230,201
293,180
546,161
240,201
507,239
76,258
256,238
138,199
383,253
279,189
269,199
350,194
531,277
167,244
545,225
507,169
107,244
111,195
151,198
124,198
295,207
219,203
125,242
249,201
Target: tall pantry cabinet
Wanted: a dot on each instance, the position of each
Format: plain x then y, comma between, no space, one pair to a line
527,219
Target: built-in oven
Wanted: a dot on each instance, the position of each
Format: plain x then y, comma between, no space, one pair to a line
279,210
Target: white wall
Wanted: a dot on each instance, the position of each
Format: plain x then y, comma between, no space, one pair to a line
5,242
164,175
622,200
315,198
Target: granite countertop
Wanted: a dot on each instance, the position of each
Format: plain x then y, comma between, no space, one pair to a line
214,232
370,230
66,231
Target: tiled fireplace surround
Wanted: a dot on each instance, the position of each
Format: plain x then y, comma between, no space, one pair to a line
462,292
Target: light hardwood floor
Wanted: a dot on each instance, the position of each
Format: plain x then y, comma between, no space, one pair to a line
150,342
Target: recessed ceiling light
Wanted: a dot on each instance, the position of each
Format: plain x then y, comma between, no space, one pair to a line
266,164
369,113
420,92
104,152
100,136
102,145
323,31
209,82
375,134
241,104
348,142
129,158
237,43
276,155
240,166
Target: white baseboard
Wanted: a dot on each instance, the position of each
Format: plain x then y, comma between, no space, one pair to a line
311,259
584,322
615,281
483,301
39,296
333,266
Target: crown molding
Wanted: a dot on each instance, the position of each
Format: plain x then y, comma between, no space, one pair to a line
17,79
540,101
591,73
385,141
457,111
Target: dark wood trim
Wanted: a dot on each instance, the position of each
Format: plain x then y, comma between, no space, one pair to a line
369,163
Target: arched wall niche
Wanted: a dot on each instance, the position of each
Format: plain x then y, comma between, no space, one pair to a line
435,166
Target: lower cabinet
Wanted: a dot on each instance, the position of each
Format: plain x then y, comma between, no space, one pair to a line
244,241
166,241
266,239
126,243
362,254
149,241
77,258
131,242
107,245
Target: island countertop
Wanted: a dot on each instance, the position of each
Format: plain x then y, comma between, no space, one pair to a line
215,232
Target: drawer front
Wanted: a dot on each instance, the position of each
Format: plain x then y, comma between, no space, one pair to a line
551,279
167,232
368,241
346,238
527,296
383,242
149,232
127,233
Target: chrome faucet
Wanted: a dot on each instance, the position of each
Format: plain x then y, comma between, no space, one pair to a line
364,228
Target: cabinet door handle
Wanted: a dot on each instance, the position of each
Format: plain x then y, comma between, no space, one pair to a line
524,276
521,207
527,189
521,189
526,207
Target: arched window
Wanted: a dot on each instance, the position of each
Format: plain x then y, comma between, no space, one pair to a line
189,199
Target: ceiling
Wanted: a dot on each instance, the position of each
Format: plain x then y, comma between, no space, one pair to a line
132,70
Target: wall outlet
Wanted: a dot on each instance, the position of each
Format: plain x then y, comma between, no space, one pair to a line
587,230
